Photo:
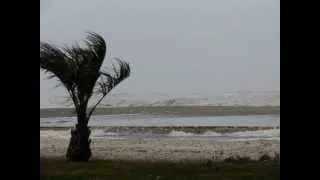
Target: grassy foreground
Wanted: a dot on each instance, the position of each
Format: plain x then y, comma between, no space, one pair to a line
57,169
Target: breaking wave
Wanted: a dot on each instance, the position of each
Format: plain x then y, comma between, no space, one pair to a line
100,133
268,98
254,134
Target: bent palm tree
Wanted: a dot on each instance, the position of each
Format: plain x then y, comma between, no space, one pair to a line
79,71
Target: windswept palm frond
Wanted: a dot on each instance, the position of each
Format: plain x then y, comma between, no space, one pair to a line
78,68
111,80
91,63
108,81
54,61
97,46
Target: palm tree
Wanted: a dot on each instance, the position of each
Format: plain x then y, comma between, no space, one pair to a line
79,71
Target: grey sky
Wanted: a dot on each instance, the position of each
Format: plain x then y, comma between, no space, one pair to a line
175,45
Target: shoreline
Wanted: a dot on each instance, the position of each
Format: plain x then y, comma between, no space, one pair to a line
54,144
170,111
168,129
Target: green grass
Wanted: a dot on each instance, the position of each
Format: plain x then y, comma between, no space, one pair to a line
233,169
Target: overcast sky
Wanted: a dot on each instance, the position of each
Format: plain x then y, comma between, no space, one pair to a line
175,45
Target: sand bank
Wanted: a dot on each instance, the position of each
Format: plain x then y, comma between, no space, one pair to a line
164,149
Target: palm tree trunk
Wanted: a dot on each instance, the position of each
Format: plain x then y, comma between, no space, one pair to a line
79,145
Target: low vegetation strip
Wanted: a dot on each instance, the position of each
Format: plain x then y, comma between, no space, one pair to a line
233,168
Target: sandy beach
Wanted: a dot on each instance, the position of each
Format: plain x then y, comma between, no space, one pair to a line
164,149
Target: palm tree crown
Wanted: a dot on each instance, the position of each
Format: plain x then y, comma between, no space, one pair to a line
79,70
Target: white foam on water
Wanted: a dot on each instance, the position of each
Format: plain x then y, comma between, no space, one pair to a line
273,121
65,134
54,134
100,133
252,139
260,134
97,132
271,98
180,134
272,134
111,134
142,120
212,133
